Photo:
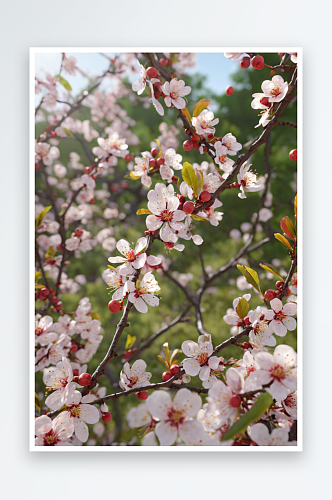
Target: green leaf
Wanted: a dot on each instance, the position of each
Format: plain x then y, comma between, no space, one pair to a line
68,132
143,211
37,403
65,83
189,177
163,362
200,179
42,214
95,316
283,240
130,341
251,276
37,276
200,106
271,269
196,217
261,405
242,308
166,351
186,114
50,253
132,176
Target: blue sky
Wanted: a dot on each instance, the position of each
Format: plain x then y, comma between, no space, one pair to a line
215,66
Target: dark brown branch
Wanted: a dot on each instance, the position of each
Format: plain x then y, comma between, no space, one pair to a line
111,353
287,280
287,124
231,341
179,319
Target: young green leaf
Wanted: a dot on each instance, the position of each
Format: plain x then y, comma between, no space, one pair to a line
42,214
271,269
143,211
65,83
242,308
261,405
283,240
200,106
189,177
130,342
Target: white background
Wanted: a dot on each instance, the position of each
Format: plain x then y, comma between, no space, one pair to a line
172,23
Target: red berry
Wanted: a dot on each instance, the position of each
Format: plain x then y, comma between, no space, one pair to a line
166,376
188,207
78,232
152,163
245,63
281,54
210,136
175,369
160,162
84,379
154,152
265,101
246,321
36,166
87,170
287,292
92,201
279,284
44,292
293,155
114,306
75,378
163,62
195,137
53,134
229,90
75,372
129,157
269,294
106,417
205,196
142,395
235,401
152,72
257,62
74,348
187,145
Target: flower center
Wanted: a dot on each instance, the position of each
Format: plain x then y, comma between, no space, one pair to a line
174,95
275,91
131,256
175,417
280,316
278,372
50,439
202,358
250,369
39,331
166,216
74,410
63,381
133,380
